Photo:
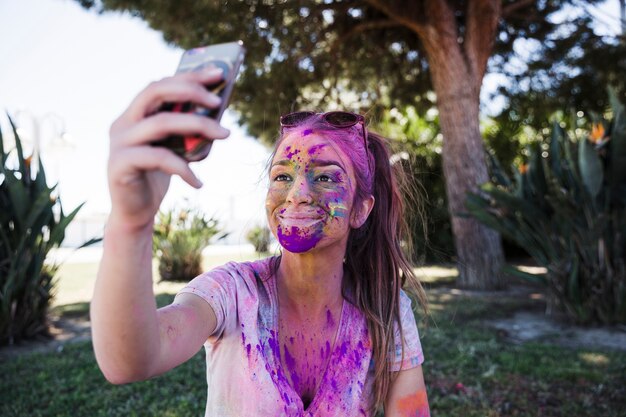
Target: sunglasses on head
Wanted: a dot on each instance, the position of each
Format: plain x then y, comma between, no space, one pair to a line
338,119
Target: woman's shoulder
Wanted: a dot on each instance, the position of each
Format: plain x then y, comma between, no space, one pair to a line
261,268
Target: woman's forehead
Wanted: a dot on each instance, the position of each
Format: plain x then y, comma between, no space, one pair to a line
305,144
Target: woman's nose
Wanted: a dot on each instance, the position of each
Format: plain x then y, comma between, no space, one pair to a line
300,192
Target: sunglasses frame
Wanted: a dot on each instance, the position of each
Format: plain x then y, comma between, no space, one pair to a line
327,116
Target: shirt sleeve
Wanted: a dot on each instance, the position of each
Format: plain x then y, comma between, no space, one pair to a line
217,287
413,355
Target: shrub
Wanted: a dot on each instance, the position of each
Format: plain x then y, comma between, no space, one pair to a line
32,222
567,209
178,240
259,236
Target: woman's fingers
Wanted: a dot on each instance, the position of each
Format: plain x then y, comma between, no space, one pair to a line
178,88
164,124
131,162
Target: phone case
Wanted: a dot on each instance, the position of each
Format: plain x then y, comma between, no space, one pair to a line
228,57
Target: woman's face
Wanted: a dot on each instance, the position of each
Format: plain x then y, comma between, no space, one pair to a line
311,192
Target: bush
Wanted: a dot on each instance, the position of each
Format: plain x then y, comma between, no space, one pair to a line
567,209
178,240
259,236
32,222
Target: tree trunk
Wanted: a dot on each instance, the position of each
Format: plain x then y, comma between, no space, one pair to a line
457,62
478,248
457,66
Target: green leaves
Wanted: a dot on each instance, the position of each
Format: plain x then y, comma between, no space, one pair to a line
568,211
32,222
591,169
178,240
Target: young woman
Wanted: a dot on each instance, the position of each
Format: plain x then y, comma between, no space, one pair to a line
324,329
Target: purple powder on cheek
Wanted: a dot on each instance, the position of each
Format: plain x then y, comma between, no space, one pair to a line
307,132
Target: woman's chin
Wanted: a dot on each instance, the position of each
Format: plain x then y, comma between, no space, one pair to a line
297,240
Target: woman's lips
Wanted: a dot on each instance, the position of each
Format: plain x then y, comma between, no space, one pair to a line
299,219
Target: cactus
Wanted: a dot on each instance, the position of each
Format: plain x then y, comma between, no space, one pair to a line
568,211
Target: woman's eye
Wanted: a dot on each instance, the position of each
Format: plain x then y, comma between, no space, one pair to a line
281,177
325,178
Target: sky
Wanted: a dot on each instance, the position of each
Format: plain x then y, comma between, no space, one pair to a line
66,70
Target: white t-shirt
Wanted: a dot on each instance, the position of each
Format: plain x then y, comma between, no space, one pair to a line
244,372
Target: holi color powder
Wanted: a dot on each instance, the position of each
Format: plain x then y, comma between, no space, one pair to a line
415,405
297,240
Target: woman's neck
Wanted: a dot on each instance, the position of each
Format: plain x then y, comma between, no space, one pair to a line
309,283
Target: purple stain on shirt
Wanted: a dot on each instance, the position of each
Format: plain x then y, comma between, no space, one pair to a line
274,346
343,349
248,348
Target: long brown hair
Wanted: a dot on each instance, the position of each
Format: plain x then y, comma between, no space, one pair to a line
376,265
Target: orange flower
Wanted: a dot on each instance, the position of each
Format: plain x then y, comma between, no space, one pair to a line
523,168
597,133
27,162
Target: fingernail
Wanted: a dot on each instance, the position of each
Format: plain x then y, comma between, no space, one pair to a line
224,131
213,71
214,100
198,183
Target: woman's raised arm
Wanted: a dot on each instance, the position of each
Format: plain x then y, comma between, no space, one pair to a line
132,340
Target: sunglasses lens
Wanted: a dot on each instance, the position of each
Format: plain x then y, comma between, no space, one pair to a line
341,119
294,119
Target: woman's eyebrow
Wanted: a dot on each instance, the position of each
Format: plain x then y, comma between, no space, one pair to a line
326,162
282,162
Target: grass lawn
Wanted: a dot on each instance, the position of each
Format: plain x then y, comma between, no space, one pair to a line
470,370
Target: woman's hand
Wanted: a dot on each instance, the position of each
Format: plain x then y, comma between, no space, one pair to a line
138,173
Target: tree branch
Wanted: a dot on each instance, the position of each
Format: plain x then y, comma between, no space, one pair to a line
402,19
362,27
481,28
514,7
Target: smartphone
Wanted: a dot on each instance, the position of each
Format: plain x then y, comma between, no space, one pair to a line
228,57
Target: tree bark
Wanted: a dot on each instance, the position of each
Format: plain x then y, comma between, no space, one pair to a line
457,66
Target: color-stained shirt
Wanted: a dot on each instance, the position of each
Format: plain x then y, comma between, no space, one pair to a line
244,372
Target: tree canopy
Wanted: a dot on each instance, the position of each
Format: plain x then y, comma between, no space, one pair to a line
373,56
352,54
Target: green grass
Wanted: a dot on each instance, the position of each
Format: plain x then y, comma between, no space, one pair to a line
470,370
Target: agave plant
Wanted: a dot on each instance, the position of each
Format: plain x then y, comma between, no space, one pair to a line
567,209
32,222
178,240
